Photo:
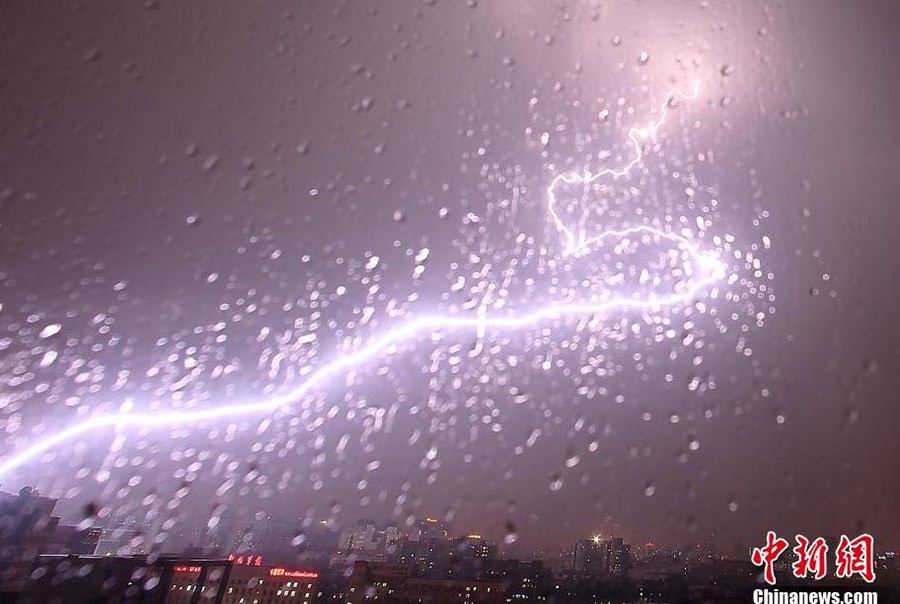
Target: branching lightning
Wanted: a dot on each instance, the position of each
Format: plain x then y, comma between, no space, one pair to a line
578,242
707,264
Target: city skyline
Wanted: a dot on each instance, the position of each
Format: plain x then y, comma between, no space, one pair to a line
271,558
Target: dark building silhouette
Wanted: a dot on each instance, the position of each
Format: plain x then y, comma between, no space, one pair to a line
28,528
586,557
615,558
166,579
596,558
71,579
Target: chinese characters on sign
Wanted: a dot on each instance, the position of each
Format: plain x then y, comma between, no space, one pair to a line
851,557
245,560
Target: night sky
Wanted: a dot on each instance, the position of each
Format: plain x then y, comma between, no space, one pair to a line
204,204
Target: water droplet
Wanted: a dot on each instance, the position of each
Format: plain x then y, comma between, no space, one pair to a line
210,163
50,330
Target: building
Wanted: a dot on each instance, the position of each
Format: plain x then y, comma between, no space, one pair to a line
379,581
321,538
166,579
367,540
433,527
250,583
364,541
615,558
376,581
587,557
88,579
28,528
475,547
121,541
597,558
525,581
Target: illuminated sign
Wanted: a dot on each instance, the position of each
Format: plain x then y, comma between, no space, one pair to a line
288,573
184,568
431,519
473,536
246,560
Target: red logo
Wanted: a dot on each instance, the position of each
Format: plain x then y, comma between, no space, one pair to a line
852,557
768,555
812,558
856,558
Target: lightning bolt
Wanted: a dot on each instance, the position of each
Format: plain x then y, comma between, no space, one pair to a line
578,242
712,269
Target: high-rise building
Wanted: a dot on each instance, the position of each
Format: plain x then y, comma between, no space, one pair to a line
586,556
594,557
615,558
